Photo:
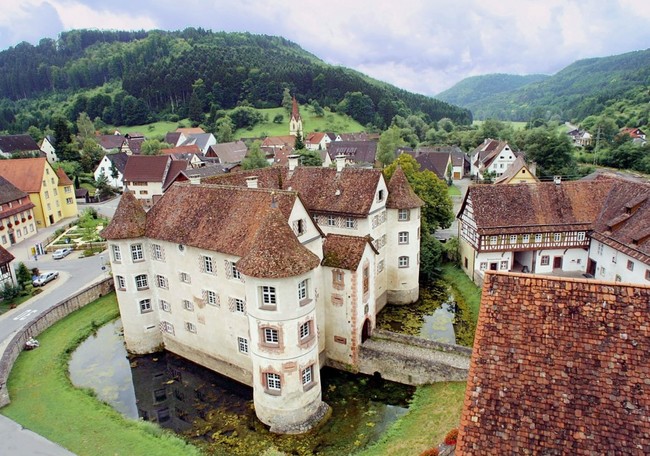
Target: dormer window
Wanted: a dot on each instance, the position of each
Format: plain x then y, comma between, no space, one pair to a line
380,196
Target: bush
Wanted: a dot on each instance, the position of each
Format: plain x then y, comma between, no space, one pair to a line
36,291
10,292
430,452
451,437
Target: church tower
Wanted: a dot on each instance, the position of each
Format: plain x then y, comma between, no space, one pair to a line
295,124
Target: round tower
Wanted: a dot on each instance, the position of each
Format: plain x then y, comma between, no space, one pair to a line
280,277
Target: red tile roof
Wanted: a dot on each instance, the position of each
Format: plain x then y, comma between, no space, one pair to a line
24,173
190,131
63,177
559,366
175,168
193,149
146,168
400,193
295,113
129,220
5,256
344,252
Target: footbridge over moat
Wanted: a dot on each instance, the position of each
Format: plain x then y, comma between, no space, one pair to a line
413,360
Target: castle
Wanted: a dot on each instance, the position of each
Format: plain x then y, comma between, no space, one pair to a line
266,276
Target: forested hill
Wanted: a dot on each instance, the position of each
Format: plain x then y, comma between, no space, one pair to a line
582,89
159,71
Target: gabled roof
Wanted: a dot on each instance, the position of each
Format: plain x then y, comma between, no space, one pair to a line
172,137
545,206
200,139
344,252
175,168
486,153
146,168
276,252
314,138
129,220
191,149
358,151
109,142
230,152
634,132
5,256
400,193
432,160
135,144
190,131
279,141
18,143
63,177
24,173
559,366
118,160
9,192
459,158
514,169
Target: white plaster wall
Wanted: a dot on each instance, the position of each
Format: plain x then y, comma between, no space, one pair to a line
105,168
572,260
494,257
403,283
615,264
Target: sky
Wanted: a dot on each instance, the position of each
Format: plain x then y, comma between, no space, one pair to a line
423,46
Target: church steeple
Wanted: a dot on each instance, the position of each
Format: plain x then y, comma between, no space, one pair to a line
295,124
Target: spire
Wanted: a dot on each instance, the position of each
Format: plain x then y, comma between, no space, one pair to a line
295,113
400,193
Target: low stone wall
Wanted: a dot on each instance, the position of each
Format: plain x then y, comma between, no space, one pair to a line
44,321
412,360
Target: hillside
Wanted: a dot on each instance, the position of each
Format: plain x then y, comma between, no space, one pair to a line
153,76
582,89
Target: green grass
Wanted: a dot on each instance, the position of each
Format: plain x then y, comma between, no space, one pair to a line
5,306
156,130
452,190
44,400
434,411
468,289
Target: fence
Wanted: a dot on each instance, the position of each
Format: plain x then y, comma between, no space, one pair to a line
44,321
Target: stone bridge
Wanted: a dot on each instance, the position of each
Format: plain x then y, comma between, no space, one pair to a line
413,360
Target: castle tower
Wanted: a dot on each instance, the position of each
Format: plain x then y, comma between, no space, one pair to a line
128,256
295,123
403,240
280,276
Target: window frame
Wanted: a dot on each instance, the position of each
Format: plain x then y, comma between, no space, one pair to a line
307,375
403,215
303,290
403,237
305,331
188,305
117,253
211,298
137,253
273,382
242,345
145,305
141,282
403,262
544,260
190,327
208,264
157,252
162,282
120,282
268,297
271,336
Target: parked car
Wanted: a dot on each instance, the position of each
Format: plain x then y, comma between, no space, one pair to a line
45,278
61,253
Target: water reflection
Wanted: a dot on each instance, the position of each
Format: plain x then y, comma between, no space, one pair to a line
217,413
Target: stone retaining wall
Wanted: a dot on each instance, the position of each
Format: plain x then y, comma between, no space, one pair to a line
44,321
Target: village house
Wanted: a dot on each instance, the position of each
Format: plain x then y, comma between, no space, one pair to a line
292,264
355,152
7,274
638,136
148,176
438,160
47,147
492,157
317,141
112,166
19,145
52,192
559,366
518,173
229,152
16,215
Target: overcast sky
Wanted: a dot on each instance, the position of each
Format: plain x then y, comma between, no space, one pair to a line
423,46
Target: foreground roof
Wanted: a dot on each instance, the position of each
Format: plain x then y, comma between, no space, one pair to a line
24,173
559,366
5,256
63,177
18,143
400,193
129,219
345,252
146,168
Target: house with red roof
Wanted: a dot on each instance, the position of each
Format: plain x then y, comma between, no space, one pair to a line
17,222
7,274
492,157
148,176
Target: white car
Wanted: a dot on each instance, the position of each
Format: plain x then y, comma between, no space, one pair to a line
44,278
61,253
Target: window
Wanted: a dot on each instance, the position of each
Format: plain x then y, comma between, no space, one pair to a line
141,282
307,375
165,306
144,192
188,305
145,306
630,265
380,266
303,290
159,395
647,274
268,296
157,252
403,215
557,237
600,248
581,235
184,277
615,257
504,265
190,327
602,270
305,330
350,222
162,282
403,262
271,336
207,264
513,238
68,201
137,254
240,305
331,221
234,272
117,255
121,282
167,327
380,195
273,381
68,189
493,240
242,344
211,298
403,237
47,194
525,238
538,238
366,279
299,227
483,266
546,260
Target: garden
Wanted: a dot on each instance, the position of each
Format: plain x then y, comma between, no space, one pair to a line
84,235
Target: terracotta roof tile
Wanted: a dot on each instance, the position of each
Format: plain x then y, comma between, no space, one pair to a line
129,219
276,252
559,366
191,149
400,193
231,152
190,131
63,177
344,252
146,168
24,173
5,256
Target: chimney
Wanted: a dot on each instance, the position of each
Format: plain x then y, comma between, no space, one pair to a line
293,161
532,167
194,180
340,162
557,180
251,182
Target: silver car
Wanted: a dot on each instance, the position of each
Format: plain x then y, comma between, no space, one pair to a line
45,278
61,253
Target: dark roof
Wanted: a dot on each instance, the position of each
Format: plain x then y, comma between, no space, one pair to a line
9,192
363,136
63,177
559,366
175,168
109,142
400,193
172,137
118,160
358,151
129,219
230,152
18,143
135,144
545,206
81,192
344,252
5,256
146,168
276,252
432,160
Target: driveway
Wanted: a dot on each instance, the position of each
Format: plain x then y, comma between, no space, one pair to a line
462,185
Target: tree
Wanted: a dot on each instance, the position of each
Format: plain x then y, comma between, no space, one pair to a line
299,144
255,158
318,109
310,158
225,128
195,110
85,128
551,150
62,132
152,147
389,141
91,155
23,276
104,189
287,101
35,133
278,119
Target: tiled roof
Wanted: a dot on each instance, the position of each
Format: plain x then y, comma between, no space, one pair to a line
279,141
295,113
119,160
9,192
271,177
18,143
135,144
512,170
129,219
146,168
5,256
314,138
544,206
109,142
363,136
212,217
432,160
191,149
175,168
172,137
276,252
358,151
400,193
559,366
24,173
81,192
344,252
63,177
230,152
190,131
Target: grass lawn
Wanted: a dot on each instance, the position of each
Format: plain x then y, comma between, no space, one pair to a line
44,400
452,190
468,289
156,130
5,305
434,411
